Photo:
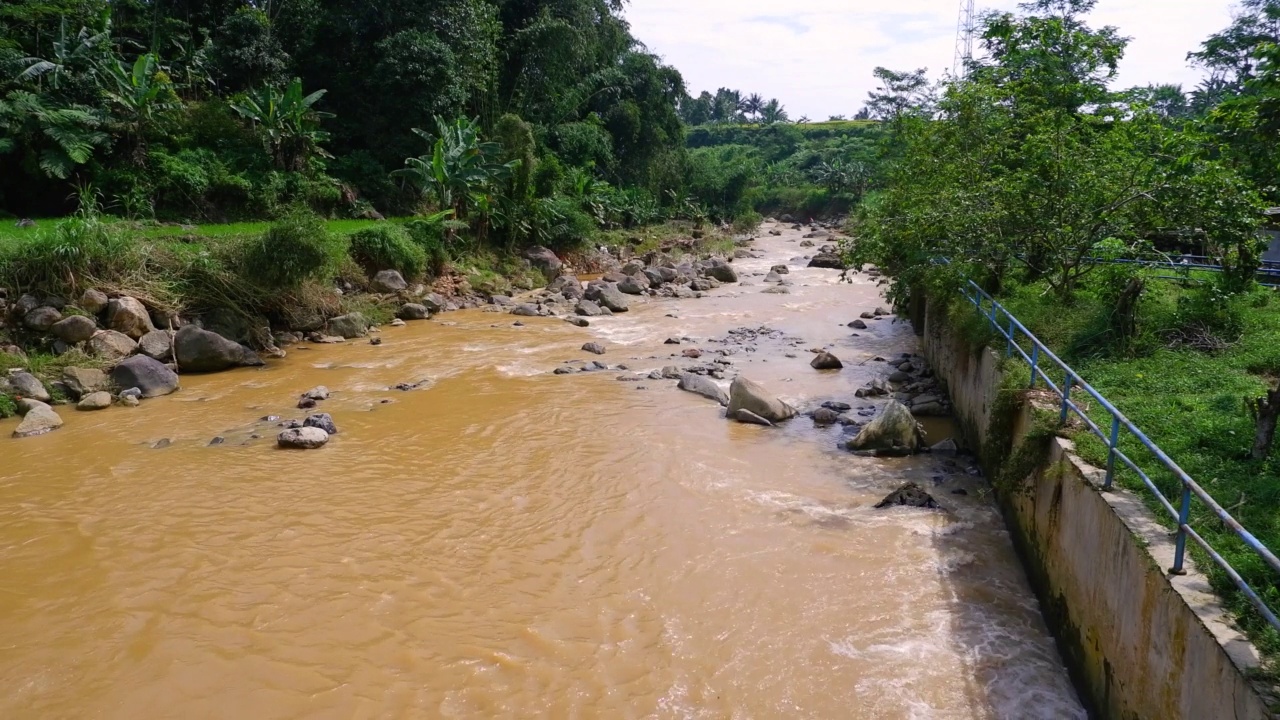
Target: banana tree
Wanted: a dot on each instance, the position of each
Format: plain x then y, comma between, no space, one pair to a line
68,52
59,138
288,121
140,96
460,168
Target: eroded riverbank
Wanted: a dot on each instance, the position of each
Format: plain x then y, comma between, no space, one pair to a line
505,542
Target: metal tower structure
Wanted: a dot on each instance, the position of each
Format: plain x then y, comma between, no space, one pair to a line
966,28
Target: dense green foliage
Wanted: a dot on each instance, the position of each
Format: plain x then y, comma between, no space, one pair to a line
519,116
388,247
297,248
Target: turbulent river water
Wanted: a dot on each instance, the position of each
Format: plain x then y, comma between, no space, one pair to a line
507,543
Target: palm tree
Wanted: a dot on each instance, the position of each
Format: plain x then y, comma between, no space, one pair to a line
289,122
753,104
460,169
773,112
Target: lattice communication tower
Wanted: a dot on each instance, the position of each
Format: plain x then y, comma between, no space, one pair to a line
966,28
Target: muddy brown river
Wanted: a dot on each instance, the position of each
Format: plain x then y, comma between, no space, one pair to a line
507,543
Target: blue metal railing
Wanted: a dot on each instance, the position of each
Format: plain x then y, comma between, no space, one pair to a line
1268,273
1013,332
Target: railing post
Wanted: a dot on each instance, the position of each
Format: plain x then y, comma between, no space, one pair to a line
1111,454
1008,350
1066,398
1035,360
1180,544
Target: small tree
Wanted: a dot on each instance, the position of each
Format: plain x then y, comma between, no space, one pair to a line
288,121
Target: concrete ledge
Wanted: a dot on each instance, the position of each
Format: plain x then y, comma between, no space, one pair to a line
1140,643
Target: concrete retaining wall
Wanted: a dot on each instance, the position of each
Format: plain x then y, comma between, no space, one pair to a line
1140,643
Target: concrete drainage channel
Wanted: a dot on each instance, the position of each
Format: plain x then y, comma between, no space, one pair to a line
1139,642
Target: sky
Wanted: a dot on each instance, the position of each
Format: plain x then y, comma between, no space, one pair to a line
816,56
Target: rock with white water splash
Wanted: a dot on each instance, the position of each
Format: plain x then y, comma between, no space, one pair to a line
700,385
909,495
893,430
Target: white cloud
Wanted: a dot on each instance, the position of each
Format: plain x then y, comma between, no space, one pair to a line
816,56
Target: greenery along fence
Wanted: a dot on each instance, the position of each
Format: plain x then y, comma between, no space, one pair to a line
1046,367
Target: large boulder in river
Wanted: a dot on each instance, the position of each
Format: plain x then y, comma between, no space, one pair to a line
634,285
413,311
544,260
893,430
150,376
303,438
909,495
721,270
387,282
831,261
826,361
608,296
129,316
74,329
567,285
704,386
201,351
587,308
747,395
40,419
351,325
95,401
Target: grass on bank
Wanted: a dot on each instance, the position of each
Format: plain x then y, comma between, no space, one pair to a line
1183,380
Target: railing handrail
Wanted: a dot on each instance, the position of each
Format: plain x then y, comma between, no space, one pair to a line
1009,327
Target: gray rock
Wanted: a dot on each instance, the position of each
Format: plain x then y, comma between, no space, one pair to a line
867,315
587,308
324,421
129,401
564,370
721,270
747,395
567,285
578,321
780,269
39,420
387,282
830,261
150,376
858,325
747,417
303,438
899,377
931,409
671,372
435,302
881,312
825,416
413,311
909,495
701,385
133,392
95,401
894,429
594,348
397,323
74,329
201,351
613,299
525,310
128,316
826,361
26,405
83,381
773,277
41,319
111,345
26,385
318,392
704,284
157,345
544,260
634,285
777,290
93,301
946,447
351,325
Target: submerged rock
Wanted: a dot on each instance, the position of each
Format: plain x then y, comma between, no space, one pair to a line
747,417
909,495
747,395
721,270
324,421
830,261
594,348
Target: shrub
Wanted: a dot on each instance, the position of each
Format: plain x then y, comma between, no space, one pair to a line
747,222
388,246
428,234
7,407
295,249
561,225
78,247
